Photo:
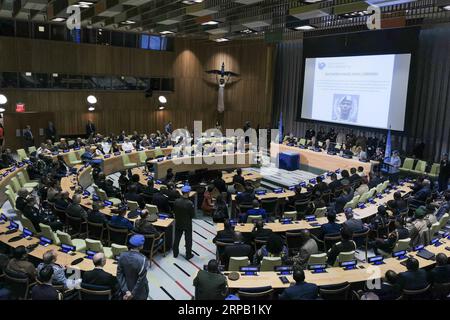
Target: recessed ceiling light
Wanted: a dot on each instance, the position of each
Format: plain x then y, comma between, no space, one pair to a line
210,23
128,22
221,39
28,74
166,32
41,29
307,27
447,8
55,75
59,19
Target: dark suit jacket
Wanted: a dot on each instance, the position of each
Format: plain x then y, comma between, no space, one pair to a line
220,185
333,185
77,211
183,210
300,291
224,235
210,286
388,291
97,217
330,228
90,129
161,201
239,179
440,274
99,277
341,201
413,280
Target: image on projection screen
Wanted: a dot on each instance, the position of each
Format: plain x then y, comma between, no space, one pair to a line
367,91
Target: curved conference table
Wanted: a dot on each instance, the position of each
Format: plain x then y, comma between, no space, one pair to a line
333,275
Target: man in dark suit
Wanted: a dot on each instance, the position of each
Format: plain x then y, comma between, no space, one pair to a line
355,177
28,136
161,201
238,178
301,290
184,212
346,196
335,183
226,234
320,186
441,272
133,195
444,173
219,183
50,132
75,209
237,249
95,215
389,289
247,196
210,284
345,245
414,278
90,128
99,277
331,227
149,191
259,232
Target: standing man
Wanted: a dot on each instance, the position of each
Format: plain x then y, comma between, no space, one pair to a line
50,132
168,128
132,271
28,136
90,128
394,166
184,212
444,173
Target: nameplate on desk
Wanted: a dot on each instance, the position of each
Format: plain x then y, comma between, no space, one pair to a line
379,196
329,174
20,164
278,190
317,268
55,153
95,198
284,270
377,260
261,192
302,184
314,224
249,271
286,221
3,217
90,254
302,147
312,181
163,216
117,153
310,218
26,233
43,241
158,182
419,247
348,265
106,156
86,193
107,203
435,242
67,150
371,200
291,144
5,174
76,148
12,169
13,226
400,255
66,248
361,205
233,223
128,151
292,188
160,159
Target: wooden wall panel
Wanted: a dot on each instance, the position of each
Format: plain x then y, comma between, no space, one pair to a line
248,97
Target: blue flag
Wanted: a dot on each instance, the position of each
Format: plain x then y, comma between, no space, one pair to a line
280,128
387,153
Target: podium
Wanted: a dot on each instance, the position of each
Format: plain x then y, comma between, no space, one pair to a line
289,161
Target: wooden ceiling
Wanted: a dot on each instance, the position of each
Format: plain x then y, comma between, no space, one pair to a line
229,19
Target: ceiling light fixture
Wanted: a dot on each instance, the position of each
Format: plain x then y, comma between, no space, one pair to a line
91,99
162,99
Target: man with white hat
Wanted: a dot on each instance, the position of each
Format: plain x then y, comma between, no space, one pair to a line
184,212
132,270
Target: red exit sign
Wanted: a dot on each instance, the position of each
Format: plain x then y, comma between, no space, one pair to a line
20,107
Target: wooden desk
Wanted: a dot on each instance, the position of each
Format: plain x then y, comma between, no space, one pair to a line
321,160
367,212
210,162
247,175
63,259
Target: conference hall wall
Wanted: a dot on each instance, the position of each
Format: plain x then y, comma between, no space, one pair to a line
247,97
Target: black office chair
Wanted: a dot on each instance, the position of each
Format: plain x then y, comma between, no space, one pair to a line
117,235
293,241
92,292
258,243
95,231
260,293
301,206
335,292
153,244
61,215
441,291
19,284
419,294
76,226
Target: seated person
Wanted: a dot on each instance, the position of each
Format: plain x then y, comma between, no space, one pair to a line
255,211
98,276
21,200
275,247
62,200
259,232
301,290
388,244
307,248
210,284
87,156
331,227
389,289
219,183
161,201
354,176
20,264
361,172
44,290
220,210
207,203
144,225
346,196
352,224
171,192
441,272
237,249
133,195
414,278
345,245
424,193
398,204
95,216
320,186
238,178
225,235
127,145
59,272
75,209
247,196
335,183
363,187
380,220
119,221
149,190
345,178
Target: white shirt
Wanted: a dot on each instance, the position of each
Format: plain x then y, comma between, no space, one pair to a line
127,146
